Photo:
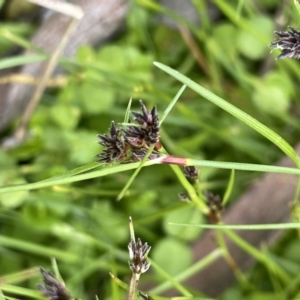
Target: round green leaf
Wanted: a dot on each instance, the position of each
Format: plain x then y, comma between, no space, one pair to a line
271,99
250,44
188,214
172,255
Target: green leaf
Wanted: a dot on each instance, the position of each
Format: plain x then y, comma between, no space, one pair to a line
248,44
179,256
21,60
65,116
186,214
96,99
14,199
271,99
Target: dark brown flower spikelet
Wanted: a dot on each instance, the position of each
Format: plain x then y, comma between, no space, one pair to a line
132,144
52,288
140,153
191,172
114,143
149,130
138,253
288,42
215,207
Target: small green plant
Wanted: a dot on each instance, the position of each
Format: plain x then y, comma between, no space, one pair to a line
220,115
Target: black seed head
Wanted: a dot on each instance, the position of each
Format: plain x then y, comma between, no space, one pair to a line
288,42
215,206
114,143
52,288
191,172
149,123
138,253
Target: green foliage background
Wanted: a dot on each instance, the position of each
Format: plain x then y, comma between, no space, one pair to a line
81,224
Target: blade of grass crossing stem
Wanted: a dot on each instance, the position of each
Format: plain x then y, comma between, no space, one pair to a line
258,255
131,179
171,105
236,112
195,268
229,188
119,282
230,260
170,278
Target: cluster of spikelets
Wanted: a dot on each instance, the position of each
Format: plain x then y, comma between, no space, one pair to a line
132,144
288,42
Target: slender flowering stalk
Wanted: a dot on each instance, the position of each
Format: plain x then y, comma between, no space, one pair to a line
138,264
288,42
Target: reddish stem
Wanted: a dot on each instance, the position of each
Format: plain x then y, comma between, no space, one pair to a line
174,160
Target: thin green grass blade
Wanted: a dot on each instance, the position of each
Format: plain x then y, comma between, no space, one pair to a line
20,60
170,278
171,105
195,268
229,9
76,171
136,172
62,179
101,263
229,188
21,276
241,278
127,113
1,294
297,6
18,40
239,8
39,250
21,291
242,166
55,269
115,288
258,255
239,114
119,282
244,227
